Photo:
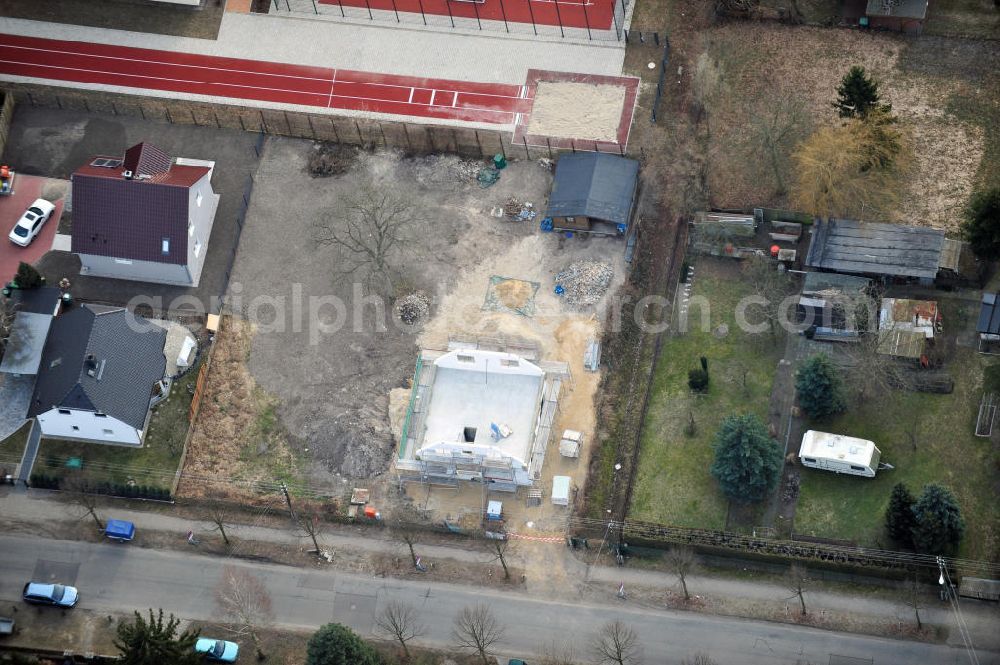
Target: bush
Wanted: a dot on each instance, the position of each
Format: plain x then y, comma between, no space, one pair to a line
982,224
899,520
698,380
334,644
747,461
819,388
938,525
27,277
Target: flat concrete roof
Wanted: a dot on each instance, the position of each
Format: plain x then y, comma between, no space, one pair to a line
486,388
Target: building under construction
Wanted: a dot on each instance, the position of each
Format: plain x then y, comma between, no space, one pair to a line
479,412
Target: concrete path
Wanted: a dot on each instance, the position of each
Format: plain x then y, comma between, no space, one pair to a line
120,578
30,453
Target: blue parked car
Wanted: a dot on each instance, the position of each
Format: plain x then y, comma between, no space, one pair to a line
220,651
58,595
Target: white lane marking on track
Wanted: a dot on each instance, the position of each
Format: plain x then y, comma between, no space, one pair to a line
231,85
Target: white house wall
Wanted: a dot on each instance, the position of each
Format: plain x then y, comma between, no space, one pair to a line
87,426
201,217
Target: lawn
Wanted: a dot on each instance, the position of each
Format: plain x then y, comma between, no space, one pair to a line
966,18
153,464
673,485
946,452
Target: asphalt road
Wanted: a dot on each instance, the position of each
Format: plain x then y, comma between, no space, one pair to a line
121,578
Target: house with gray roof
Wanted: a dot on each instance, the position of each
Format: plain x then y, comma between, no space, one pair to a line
100,371
593,192
143,216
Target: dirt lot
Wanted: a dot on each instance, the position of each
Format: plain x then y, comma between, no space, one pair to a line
329,392
748,72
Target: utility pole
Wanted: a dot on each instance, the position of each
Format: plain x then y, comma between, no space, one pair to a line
288,500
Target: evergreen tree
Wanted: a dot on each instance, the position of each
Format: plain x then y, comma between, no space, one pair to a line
27,277
899,519
819,387
154,642
747,461
858,94
334,644
982,224
938,526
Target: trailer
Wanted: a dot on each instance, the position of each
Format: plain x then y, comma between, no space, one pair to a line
839,453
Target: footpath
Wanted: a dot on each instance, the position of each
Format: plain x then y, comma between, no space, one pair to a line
982,618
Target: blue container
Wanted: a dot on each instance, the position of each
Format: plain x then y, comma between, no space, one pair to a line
120,530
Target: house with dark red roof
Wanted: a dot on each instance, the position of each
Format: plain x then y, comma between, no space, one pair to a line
143,216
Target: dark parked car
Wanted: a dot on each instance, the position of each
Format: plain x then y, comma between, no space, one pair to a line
59,595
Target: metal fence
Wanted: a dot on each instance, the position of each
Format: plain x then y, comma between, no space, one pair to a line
594,20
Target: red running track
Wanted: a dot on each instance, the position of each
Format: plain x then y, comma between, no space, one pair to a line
592,14
84,62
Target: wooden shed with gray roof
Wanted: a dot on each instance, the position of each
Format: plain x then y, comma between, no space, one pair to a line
593,192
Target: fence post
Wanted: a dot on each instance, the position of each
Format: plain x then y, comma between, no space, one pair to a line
478,142
475,6
369,6
395,10
562,33
586,19
527,155
341,3
548,142
422,15
503,12
361,138
406,133
447,6
531,13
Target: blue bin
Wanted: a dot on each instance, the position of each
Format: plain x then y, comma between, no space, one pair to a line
120,530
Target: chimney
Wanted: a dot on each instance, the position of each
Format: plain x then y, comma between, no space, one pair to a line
91,364
127,175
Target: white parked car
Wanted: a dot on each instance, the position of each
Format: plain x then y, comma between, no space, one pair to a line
31,222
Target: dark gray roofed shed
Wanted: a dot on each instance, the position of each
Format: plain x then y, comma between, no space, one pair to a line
595,185
989,315
127,359
871,248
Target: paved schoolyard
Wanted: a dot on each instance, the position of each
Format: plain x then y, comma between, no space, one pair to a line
27,188
55,142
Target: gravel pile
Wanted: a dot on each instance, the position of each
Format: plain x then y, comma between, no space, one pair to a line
413,308
584,282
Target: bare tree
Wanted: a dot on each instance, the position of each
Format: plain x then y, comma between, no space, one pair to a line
310,525
914,599
772,288
500,549
8,312
407,535
477,630
682,562
242,597
402,622
872,367
370,228
616,644
797,582
82,496
774,129
699,659
219,514
558,655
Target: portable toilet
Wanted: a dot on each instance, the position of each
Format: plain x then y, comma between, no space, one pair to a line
560,490
494,511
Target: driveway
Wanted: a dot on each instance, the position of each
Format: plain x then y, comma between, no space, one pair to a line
54,143
15,395
27,188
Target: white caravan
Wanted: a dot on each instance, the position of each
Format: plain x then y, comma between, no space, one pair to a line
840,454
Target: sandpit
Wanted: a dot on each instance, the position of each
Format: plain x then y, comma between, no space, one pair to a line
585,111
